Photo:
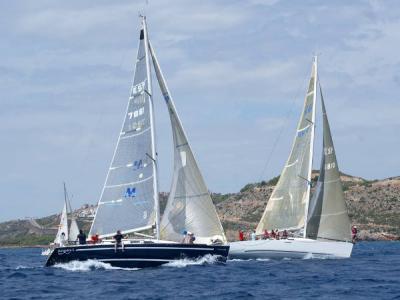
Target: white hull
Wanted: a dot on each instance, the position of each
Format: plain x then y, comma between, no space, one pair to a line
290,248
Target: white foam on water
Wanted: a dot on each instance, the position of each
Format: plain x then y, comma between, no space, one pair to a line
263,259
318,256
20,267
89,265
184,262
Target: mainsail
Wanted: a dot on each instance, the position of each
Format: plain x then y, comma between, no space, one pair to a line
189,205
328,218
287,206
63,227
127,202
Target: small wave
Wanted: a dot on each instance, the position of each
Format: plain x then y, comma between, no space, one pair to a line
263,259
20,267
184,262
318,256
89,265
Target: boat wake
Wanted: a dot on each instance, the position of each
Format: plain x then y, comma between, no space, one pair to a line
89,265
184,262
319,256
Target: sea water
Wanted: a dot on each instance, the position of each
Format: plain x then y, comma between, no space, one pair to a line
373,272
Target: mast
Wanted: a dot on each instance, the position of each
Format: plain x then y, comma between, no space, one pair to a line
152,122
311,148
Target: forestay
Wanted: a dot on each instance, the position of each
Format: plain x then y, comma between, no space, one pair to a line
189,204
128,196
328,218
286,208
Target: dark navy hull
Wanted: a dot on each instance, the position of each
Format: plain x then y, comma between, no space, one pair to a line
138,255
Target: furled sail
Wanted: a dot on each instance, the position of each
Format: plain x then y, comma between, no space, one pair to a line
189,204
286,208
63,227
328,218
127,202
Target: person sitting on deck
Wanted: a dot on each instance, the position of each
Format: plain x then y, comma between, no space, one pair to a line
253,235
63,240
95,239
266,235
354,232
191,238
285,234
276,234
273,235
241,235
118,240
81,237
185,234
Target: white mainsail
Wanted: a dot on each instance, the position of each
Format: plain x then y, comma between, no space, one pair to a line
328,217
129,200
189,205
288,204
63,226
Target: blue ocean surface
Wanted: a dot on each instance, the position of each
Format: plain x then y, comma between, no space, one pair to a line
373,272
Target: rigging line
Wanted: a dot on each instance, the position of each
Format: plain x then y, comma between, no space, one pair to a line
284,126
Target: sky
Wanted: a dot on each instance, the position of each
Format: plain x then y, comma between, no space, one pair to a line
238,73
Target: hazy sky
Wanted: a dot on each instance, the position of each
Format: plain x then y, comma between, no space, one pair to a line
237,70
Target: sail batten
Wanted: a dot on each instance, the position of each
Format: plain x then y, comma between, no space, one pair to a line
189,205
291,194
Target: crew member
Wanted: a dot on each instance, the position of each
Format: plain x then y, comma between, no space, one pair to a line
118,240
81,237
354,232
191,238
241,235
253,235
63,239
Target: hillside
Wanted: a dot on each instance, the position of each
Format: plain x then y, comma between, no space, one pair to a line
374,206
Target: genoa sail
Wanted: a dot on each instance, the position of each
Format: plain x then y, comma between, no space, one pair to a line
189,205
63,226
287,206
127,201
73,230
328,217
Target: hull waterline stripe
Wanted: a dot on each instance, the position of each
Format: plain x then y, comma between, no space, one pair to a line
155,248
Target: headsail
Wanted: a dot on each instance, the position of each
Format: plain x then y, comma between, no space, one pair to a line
127,202
286,208
328,218
189,204
63,226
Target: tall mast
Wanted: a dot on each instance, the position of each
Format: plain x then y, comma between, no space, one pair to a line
65,197
311,147
153,142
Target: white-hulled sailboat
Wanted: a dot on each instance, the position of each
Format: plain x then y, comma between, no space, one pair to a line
321,223
65,234
129,199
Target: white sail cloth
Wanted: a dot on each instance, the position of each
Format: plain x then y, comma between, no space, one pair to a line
286,207
127,199
73,230
62,227
328,218
189,205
